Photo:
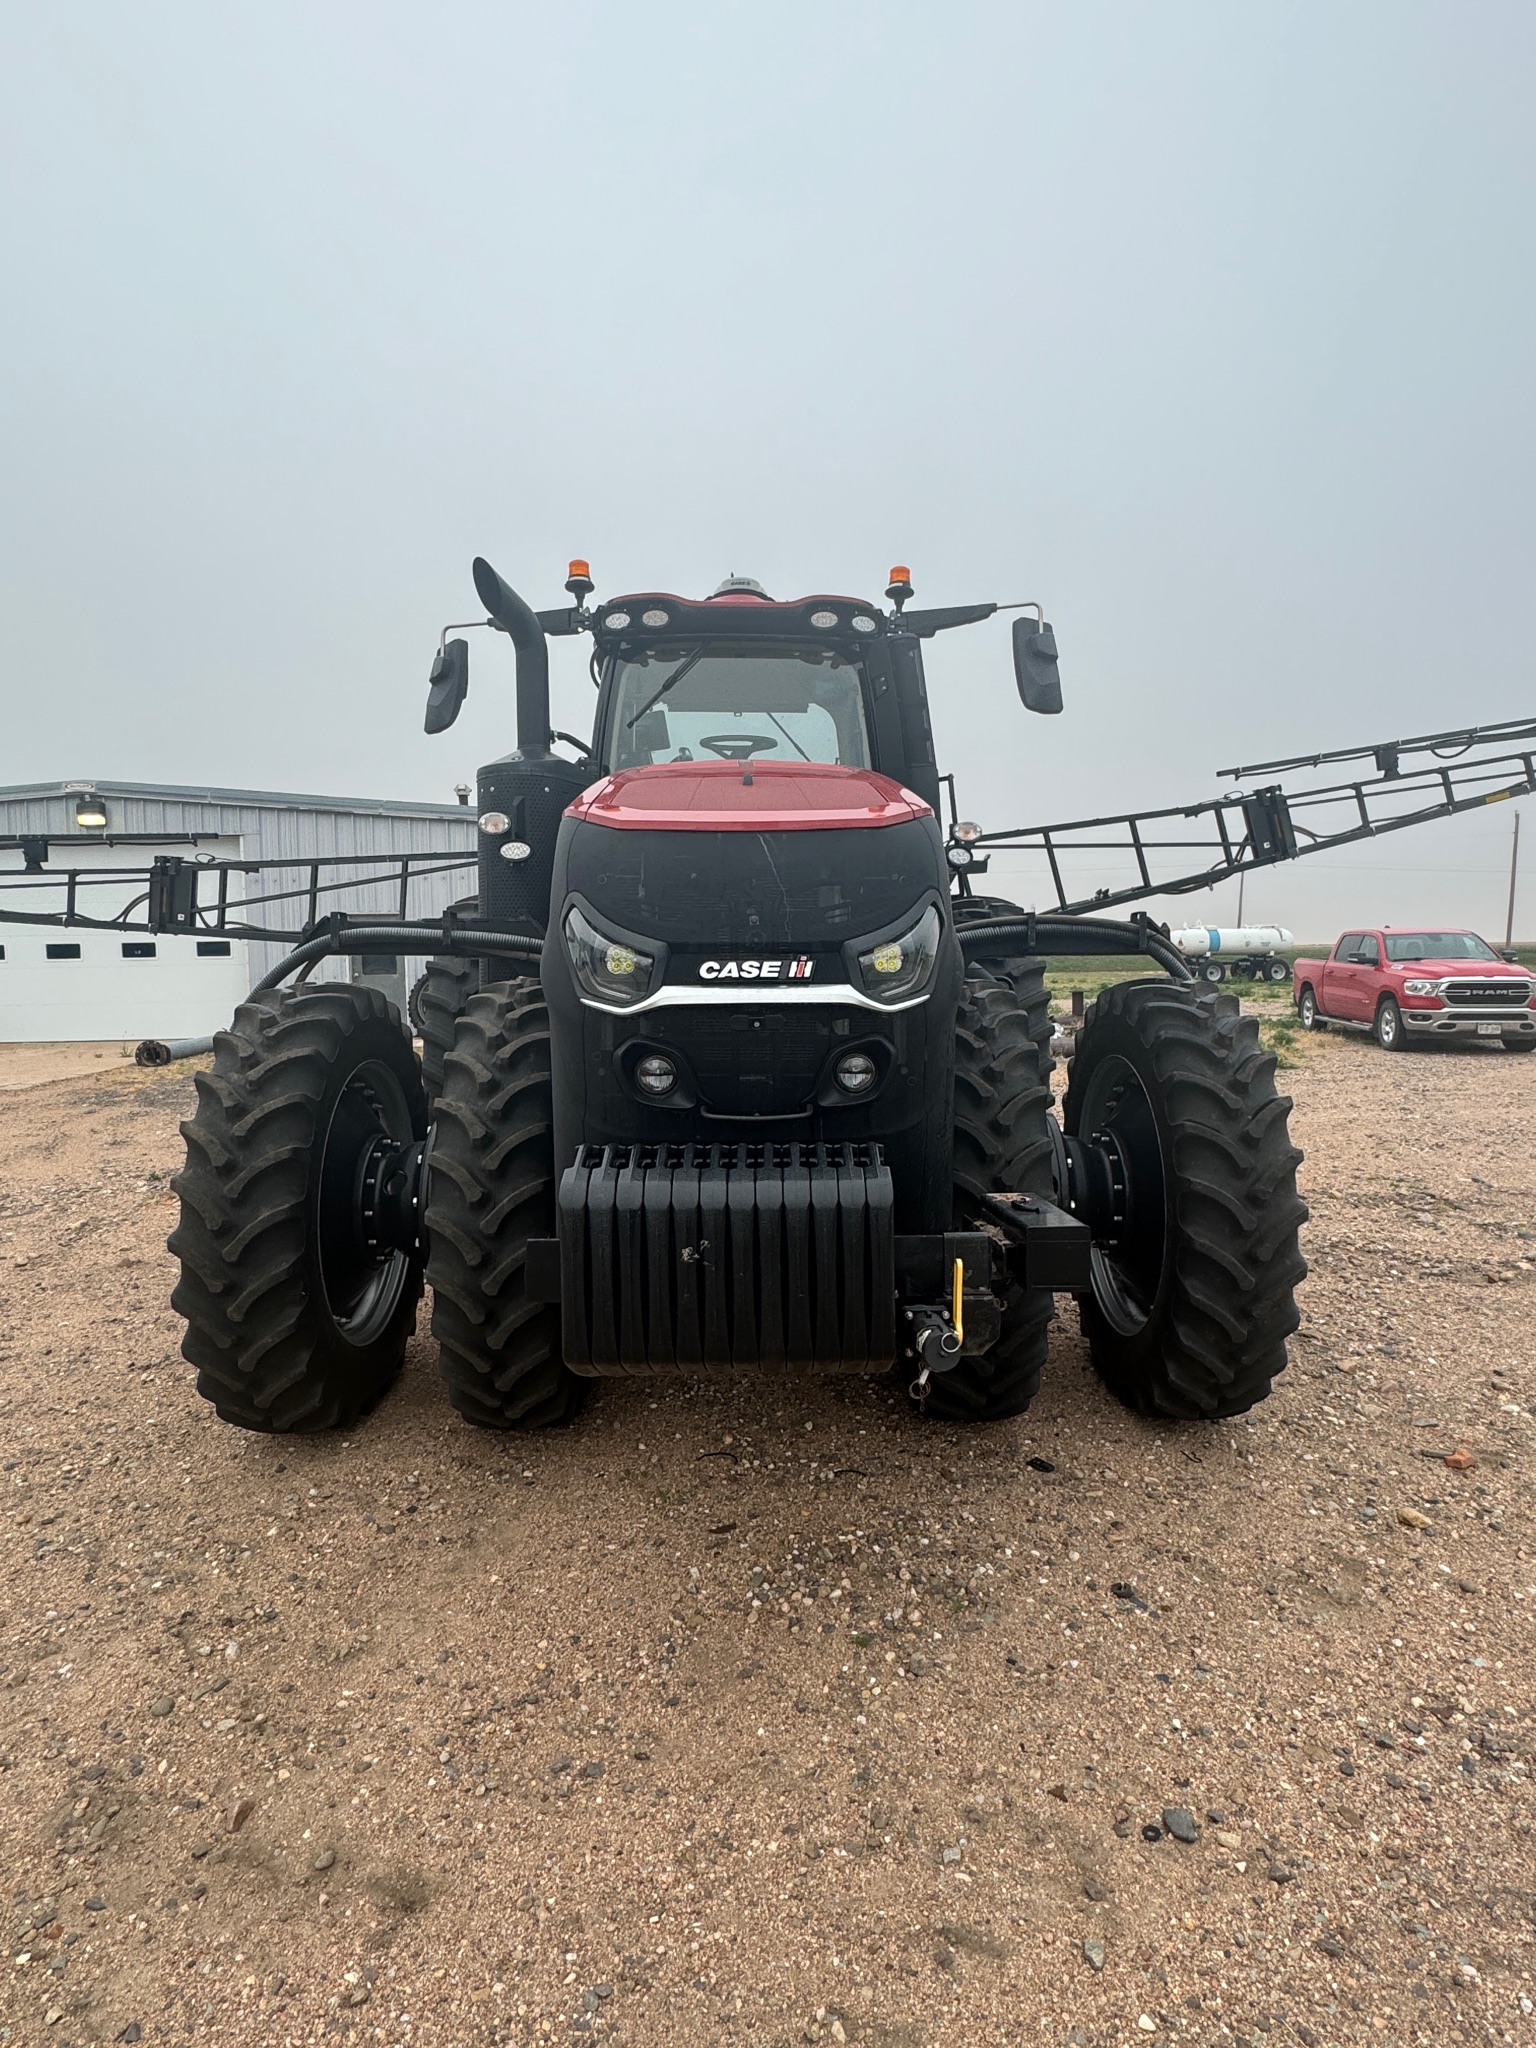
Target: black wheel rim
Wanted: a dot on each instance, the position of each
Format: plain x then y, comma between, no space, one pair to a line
1127,1263
361,1278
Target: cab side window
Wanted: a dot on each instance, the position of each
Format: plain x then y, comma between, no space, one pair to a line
1369,954
1348,947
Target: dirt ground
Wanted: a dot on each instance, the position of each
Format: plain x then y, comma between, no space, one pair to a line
763,1713
24,1066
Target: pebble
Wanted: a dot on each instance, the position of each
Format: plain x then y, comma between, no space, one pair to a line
1147,2024
1093,1954
163,1706
1092,1889
324,1860
240,1813
1151,1832
1180,1823
1279,1874
1228,1840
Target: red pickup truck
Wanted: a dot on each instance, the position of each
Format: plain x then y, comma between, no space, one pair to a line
1412,986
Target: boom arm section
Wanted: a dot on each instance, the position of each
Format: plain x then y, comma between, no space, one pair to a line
1177,851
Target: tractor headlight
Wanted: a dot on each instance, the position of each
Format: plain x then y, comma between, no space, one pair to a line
1418,988
897,968
610,969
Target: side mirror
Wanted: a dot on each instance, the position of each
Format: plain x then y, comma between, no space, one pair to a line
1034,664
448,686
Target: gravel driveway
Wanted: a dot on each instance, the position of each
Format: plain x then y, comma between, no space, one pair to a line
762,1714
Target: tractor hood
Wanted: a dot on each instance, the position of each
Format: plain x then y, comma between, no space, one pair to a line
702,855
726,796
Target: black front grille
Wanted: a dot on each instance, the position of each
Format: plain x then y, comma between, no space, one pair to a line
753,1062
1487,993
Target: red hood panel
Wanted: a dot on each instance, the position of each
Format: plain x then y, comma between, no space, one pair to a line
726,796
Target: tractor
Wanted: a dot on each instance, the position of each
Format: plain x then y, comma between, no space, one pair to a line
728,1068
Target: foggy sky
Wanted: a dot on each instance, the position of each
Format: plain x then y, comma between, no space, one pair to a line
1209,326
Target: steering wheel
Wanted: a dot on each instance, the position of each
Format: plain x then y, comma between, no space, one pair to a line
731,748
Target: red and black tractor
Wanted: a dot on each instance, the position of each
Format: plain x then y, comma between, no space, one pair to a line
727,1067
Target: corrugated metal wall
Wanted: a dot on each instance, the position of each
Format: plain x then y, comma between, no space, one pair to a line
270,826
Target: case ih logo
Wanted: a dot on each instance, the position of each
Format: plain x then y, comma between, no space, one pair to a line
757,970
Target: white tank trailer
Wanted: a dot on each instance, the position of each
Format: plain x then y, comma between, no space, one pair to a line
1245,952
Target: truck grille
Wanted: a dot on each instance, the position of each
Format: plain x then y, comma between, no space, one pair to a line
1486,993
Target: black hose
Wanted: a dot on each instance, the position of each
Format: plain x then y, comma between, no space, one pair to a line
1074,934
399,938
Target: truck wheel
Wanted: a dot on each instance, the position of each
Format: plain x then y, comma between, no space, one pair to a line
1307,1011
299,1280
492,1188
1278,971
1196,1257
1002,1142
1213,972
1389,1026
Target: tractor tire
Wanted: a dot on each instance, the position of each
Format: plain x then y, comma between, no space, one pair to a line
1388,1029
296,1320
438,1001
1024,973
491,1189
1192,1297
1002,1144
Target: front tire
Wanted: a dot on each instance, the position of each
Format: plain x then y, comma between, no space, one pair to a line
1389,1032
492,1188
1002,1143
1194,1272
297,1309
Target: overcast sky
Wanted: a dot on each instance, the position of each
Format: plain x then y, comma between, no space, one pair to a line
1210,326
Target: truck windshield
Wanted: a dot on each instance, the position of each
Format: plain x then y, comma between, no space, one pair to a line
1438,946
738,704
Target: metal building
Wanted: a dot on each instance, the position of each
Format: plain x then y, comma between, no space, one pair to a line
79,983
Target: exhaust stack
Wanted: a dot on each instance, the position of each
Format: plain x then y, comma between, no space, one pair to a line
521,624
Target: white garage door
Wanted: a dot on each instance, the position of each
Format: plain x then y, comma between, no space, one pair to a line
64,983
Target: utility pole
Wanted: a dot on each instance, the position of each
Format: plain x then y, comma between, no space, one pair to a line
1514,869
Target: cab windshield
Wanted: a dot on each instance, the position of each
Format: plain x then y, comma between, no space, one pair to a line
1438,946
738,704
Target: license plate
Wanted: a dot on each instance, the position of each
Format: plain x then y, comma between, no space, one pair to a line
1489,1030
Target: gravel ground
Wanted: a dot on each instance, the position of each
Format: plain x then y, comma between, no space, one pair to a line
744,1713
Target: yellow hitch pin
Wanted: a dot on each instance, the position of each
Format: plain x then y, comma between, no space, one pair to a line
957,1310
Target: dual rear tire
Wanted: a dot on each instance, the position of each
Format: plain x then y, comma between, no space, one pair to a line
1173,1114
298,1284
